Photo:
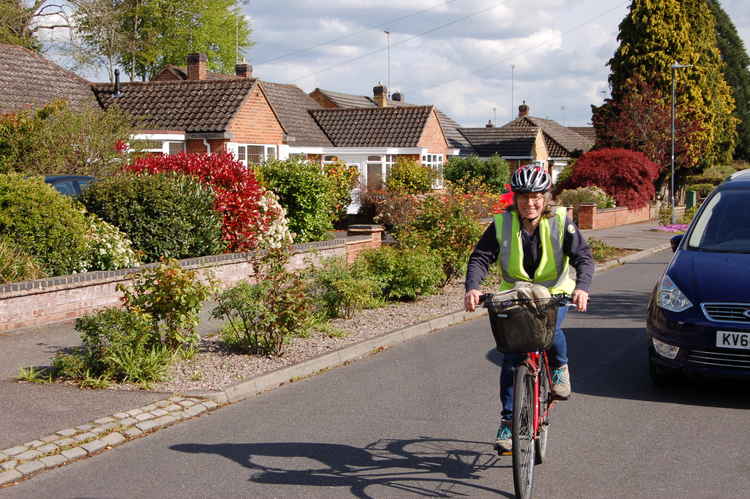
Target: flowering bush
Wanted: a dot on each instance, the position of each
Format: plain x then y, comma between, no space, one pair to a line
16,265
238,194
445,225
277,234
110,249
627,176
393,209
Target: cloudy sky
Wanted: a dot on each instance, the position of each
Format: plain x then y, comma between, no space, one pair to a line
467,57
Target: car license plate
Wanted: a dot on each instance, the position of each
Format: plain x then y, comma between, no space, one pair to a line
733,339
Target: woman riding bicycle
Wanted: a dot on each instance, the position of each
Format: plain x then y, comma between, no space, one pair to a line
531,239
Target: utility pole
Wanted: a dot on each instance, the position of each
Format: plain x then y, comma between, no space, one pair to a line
512,89
388,62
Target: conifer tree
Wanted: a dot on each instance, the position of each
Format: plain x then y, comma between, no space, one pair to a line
736,74
655,35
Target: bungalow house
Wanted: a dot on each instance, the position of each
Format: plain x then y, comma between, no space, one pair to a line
371,139
560,144
28,80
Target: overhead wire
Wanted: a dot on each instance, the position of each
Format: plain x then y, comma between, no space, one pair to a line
349,35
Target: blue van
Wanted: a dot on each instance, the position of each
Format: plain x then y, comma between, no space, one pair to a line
699,313
71,185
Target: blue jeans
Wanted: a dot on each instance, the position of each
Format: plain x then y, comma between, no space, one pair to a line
558,356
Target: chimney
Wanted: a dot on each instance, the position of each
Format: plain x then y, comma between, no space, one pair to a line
489,124
523,110
197,66
380,94
243,70
398,97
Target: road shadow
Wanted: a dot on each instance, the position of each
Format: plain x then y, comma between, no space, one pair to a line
424,466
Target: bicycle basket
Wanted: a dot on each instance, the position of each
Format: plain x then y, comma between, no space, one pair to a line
522,325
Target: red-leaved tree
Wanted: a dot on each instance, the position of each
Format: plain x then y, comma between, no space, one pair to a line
627,176
238,193
641,120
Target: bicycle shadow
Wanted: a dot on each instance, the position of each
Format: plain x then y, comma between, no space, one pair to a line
424,466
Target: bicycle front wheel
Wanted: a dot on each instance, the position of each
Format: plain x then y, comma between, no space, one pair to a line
544,396
523,432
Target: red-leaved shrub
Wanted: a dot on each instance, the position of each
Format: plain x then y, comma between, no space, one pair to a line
238,193
628,176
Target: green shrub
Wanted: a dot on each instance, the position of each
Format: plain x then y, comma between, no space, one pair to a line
445,225
713,175
109,249
473,173
15,265
118,345
306,193
591,194
600,250
172,296
409,177
403,274
340,291
43,223
165,215
342,179
703,190
688,215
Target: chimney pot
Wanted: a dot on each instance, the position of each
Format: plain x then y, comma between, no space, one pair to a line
380,94
523,110
489,124
197,65
398,97
243,70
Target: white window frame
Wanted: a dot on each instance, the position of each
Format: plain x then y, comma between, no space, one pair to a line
437,163
268,149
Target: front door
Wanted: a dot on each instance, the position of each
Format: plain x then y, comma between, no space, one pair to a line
359,163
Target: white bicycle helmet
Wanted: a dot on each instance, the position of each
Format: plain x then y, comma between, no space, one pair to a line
530,178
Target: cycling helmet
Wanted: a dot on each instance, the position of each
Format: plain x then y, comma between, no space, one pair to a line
530,178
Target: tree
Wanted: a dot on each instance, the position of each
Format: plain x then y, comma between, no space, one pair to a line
655,35
58,140
641,121
99,38
19,23
491,174
737,75
160,32
627,176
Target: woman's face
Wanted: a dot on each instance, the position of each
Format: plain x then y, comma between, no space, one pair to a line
530,205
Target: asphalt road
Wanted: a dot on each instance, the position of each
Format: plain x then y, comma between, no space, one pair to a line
418,421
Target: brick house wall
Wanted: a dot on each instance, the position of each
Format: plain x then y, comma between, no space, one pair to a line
433,137
255,121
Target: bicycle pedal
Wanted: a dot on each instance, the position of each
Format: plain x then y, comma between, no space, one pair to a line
503,452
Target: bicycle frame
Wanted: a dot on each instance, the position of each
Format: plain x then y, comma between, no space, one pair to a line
534,361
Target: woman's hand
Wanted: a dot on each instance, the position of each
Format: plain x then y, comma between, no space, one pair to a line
471,299
580,299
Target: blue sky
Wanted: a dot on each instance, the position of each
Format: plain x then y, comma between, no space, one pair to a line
455,54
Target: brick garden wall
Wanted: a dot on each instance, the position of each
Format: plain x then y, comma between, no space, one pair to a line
44,301
589,217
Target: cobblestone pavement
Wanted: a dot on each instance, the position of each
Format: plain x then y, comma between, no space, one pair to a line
70,444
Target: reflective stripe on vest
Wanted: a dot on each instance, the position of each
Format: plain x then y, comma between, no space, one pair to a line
553,270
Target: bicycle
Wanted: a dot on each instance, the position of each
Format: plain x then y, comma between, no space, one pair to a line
526,325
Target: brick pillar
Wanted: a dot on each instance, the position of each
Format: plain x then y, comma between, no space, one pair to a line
355,248
586,215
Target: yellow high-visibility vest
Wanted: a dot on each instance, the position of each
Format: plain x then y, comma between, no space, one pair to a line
553,271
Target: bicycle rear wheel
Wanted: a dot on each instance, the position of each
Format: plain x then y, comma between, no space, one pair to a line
523,432
544,396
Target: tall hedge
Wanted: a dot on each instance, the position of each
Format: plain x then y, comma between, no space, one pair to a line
165,215
43,223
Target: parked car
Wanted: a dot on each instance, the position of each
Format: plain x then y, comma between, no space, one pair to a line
71,185
699,314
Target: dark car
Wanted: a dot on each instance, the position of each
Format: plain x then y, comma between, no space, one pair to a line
71,185
699,314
